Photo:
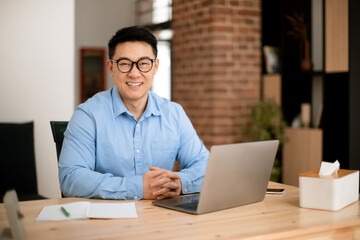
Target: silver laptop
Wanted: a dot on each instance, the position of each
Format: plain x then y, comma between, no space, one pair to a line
236,175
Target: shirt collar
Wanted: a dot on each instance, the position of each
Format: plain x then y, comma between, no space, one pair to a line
118,104
119,107
152,107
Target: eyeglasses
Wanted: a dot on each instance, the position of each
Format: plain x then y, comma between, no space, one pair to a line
125,65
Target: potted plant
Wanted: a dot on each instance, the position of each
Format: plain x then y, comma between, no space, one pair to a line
267,123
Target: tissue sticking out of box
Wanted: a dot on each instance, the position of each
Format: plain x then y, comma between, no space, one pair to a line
327,168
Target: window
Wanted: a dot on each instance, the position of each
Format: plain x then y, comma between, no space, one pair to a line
156,16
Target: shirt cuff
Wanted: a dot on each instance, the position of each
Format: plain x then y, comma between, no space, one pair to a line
134,187
186,186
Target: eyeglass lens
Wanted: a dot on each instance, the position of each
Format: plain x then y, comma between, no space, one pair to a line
144,65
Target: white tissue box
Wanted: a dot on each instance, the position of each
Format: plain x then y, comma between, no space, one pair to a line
332,192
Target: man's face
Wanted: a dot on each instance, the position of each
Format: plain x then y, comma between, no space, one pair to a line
133,86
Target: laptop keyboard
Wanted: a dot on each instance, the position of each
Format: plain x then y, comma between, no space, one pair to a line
189,206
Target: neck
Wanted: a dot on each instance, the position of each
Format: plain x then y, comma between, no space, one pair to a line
137,108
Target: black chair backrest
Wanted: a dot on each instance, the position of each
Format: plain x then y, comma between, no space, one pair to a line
58,128
17,160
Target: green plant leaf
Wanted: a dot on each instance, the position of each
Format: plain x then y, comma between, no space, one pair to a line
266,123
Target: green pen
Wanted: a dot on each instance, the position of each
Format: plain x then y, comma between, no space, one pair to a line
66,213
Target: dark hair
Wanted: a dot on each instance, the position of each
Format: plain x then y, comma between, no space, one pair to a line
132,34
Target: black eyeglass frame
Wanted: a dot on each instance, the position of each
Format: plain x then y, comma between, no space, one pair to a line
132,64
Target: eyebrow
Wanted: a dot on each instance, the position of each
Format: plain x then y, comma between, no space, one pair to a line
143,57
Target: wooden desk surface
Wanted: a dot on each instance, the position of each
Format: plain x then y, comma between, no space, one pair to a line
276,217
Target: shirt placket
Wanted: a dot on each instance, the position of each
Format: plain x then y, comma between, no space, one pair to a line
138,148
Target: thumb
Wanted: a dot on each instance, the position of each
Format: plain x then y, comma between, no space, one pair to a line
154,168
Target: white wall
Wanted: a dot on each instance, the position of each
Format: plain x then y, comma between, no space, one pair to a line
96,21
37,74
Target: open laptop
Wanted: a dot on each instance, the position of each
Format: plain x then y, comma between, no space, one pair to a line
236,175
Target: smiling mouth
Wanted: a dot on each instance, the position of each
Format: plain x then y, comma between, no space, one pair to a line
133,84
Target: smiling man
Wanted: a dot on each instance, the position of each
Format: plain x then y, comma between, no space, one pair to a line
122,143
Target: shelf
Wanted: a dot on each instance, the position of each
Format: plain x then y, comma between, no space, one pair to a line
328,89
336,36
272,87
302,152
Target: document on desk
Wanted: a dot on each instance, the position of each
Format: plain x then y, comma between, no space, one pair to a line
83,210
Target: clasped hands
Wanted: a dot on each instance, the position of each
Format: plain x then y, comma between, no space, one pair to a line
160,183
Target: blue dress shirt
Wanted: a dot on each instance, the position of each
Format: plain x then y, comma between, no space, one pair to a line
106,150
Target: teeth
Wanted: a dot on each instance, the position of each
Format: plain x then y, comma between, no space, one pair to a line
133,84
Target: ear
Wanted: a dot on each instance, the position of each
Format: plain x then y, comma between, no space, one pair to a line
110,67
156,65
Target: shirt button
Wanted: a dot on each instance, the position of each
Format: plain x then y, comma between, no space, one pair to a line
138,151
185,190
135,197
137,125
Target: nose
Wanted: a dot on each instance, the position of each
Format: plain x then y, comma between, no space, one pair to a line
134,72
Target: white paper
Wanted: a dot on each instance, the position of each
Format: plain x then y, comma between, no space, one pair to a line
112,210
83,210
77,210
327,168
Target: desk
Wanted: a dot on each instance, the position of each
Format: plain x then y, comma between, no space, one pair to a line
275,217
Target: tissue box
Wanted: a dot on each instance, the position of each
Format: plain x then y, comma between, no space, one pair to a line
332,192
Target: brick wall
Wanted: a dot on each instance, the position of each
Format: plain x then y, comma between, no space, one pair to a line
216,64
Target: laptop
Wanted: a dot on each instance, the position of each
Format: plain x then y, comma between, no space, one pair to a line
236,175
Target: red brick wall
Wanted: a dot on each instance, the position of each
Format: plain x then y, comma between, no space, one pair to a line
216,64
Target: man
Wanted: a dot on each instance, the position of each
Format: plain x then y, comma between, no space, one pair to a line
122,143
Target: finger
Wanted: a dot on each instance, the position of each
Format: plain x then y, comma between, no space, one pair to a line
161,191
154,168
157,173
159,182
174,186
168,194
166,173
172,175
165,192
163,175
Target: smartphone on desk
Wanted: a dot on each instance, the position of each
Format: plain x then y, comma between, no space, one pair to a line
275,191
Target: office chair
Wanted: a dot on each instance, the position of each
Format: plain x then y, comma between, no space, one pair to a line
58,128
17,161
